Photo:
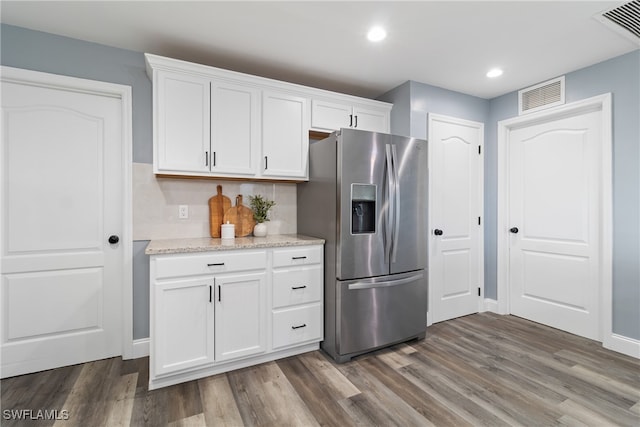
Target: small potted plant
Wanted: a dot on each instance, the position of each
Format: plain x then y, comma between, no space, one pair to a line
260,207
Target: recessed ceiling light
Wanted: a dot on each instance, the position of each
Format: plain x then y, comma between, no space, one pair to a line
376,34
495,72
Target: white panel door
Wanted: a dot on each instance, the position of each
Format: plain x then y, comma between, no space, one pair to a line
62,180
235,128
240,315
285,136
553,219
455,211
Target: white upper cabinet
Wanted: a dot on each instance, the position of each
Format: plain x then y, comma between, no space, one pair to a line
181,123
209,122
235,128
330,116
285,135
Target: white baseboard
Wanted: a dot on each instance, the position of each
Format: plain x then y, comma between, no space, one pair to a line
140,348
624,345
491,305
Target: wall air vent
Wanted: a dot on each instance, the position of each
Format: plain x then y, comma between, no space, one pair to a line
624,20
541,96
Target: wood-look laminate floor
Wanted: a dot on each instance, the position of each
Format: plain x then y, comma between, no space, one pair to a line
482,369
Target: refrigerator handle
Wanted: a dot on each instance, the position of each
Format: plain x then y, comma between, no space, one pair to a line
389,217
396,203
385,284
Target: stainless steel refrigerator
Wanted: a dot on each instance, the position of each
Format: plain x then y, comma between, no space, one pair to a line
367,197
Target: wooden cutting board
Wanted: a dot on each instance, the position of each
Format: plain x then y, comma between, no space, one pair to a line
218,205
241,216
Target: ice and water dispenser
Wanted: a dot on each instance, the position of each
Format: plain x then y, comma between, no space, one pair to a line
363,208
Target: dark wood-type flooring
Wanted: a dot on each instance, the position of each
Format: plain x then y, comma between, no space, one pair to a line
482,369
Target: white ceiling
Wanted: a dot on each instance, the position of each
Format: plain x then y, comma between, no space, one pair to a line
449,44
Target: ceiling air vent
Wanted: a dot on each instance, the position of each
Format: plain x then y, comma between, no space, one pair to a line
541,96
624,20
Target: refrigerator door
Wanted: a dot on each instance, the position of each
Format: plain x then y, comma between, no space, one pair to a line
379,311
363,238
409,247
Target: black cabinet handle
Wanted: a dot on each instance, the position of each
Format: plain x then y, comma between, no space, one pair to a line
216,264
304,325
350,120
206,158
298,257
514,230
219,294
210,293
437,232
266,162
298,287
214,159
356,122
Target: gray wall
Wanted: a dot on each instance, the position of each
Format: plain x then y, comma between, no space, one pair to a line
33,50
621,77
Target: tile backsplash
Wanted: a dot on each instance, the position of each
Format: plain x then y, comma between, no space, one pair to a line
156,202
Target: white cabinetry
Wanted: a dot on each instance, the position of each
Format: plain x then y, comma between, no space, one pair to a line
181,123
184,316
330,115
297,296
240,315
285,135
212,312
210,122
235,129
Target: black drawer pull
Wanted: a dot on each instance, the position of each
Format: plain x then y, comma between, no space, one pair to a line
304,325
216,264
298,257
298,287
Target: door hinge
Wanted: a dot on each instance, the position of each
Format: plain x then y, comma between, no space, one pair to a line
478,291
479,149
479,221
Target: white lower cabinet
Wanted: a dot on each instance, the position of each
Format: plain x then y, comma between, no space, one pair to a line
240,315
183,322
221,310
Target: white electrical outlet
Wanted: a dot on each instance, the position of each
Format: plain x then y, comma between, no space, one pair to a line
183,211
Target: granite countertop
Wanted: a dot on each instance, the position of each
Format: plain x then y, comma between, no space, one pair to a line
207,244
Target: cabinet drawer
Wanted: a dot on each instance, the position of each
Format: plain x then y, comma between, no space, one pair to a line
297,325
210,263
301,255
299,285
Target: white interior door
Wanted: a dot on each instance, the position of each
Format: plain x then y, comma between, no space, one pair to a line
61,192
554,200
455,217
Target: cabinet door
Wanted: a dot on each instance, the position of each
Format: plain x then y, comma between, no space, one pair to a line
181,123
330,116
235,127
285,136
240,315
371,120
182,333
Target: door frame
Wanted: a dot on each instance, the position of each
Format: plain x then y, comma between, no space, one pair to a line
122,92
431,117
596,103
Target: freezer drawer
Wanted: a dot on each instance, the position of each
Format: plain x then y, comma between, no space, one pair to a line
380,311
